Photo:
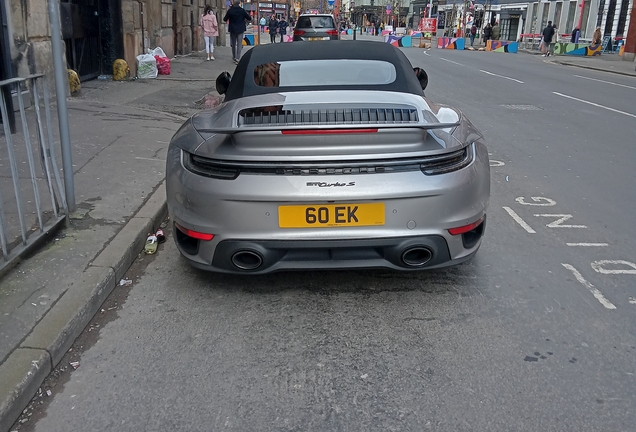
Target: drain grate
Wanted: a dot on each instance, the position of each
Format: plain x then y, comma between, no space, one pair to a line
522,107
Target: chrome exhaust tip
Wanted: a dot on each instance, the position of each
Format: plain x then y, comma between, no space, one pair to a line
416,256
247,260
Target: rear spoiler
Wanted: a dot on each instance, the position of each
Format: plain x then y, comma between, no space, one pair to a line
332,128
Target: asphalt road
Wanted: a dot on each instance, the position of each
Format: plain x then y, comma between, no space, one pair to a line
537,333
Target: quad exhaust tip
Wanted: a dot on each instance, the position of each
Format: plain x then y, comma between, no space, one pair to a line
416,256
247,260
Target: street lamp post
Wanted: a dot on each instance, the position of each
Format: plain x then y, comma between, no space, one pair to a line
258,22
353,21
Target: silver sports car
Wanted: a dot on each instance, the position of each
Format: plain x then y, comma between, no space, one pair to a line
325,158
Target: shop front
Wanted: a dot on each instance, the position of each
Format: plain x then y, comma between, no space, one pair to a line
511,23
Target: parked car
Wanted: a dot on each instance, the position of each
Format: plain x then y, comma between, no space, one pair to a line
315,27
327,158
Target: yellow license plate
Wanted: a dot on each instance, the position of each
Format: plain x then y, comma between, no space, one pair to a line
330,215
317,38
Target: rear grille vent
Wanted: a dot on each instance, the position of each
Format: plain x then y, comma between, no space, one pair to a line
350,116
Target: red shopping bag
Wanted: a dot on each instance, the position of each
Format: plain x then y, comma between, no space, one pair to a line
163,65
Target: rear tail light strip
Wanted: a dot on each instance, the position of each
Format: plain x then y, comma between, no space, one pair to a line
194,234
465,228
326,131
228,170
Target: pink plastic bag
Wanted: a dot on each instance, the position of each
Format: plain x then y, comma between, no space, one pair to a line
163,62
163,65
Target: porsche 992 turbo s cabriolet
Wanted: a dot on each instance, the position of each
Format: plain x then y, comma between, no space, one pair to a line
328,158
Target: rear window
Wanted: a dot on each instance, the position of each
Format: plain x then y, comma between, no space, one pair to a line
324,73
316,22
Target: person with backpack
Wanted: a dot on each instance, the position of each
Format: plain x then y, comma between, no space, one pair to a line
273,28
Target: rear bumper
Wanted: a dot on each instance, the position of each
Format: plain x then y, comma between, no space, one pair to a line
265,256
243,216
306,38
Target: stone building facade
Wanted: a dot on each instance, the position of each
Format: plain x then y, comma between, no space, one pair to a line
97,32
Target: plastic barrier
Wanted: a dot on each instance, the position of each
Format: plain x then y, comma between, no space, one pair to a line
502,46
399,41
577,49
250,39
450,43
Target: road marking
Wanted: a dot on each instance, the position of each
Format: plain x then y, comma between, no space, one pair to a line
518,219
537,201
500,76
595,292
598,267
595,104
450,61
559,222
588,244
496,163
426,53
632,300
606,82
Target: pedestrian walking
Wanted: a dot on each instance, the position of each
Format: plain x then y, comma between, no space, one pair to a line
473,33
487,33
236,17
282,28
548,33
495,31
575,35
262,23
210,27
273,28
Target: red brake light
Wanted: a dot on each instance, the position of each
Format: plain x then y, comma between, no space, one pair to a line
326,131
332,32
465,228
299,32
195,234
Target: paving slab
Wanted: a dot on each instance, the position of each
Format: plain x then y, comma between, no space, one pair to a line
119,133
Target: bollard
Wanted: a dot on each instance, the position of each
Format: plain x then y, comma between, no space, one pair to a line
120,70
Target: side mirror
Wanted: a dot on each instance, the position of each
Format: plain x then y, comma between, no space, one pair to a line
422,77
223,82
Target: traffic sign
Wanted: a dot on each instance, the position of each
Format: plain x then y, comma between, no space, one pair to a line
331,2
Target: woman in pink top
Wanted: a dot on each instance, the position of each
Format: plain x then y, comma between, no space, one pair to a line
210,30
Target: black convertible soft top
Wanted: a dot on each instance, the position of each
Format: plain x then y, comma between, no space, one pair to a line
243,83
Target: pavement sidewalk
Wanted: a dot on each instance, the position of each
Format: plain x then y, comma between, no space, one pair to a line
607,62
120,133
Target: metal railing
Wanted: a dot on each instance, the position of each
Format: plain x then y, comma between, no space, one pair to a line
29,207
